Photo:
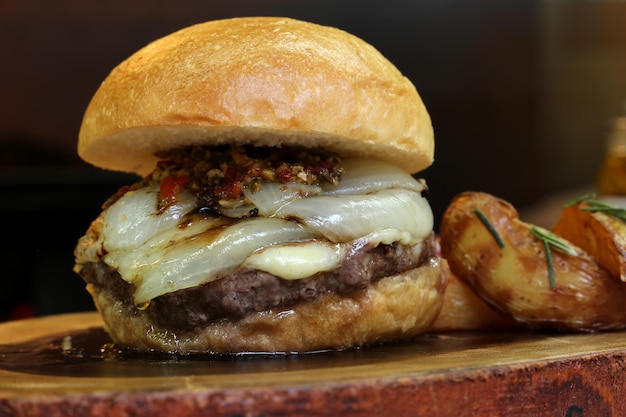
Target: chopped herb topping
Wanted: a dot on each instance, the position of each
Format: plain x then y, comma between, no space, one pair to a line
552,241
546,247
490,228
579,200
598,206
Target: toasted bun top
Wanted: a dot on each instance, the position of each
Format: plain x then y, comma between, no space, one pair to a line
260,80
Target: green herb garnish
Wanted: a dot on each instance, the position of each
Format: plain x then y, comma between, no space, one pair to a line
548,251
598,206
552,241
490,227
579,199
555,242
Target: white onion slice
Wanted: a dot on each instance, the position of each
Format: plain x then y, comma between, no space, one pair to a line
161,266
269,198
344,218
133,219
237,212
359,177
363,176
272,196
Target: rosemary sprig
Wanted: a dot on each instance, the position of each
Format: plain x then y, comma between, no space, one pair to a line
598,206
552,241
579,199
548,251
481,216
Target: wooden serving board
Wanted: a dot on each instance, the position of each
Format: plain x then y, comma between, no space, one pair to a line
54,366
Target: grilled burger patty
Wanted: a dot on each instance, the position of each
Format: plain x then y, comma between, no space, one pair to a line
247,290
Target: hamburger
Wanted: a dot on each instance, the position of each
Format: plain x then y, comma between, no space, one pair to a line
276,207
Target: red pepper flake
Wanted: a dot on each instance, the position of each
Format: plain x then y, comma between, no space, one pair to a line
171,187
285,175
232,186
223,173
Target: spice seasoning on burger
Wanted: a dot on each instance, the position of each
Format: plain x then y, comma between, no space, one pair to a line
219,175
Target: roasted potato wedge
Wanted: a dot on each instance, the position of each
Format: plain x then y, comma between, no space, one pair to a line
464,310
507,267
601,235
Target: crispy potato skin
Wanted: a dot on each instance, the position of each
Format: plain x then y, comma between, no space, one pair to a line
515,279
599,234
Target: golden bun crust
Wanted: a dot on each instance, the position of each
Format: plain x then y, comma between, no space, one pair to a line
394,308
260,80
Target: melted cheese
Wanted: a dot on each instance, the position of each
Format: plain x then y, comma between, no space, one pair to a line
297,261
302,260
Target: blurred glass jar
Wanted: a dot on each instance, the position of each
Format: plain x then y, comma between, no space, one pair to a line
611,180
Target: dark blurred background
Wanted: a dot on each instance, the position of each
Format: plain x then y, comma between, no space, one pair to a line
521,93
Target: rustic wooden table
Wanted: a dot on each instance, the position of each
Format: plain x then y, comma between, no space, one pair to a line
55,366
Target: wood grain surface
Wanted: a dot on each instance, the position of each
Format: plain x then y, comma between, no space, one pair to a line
56,366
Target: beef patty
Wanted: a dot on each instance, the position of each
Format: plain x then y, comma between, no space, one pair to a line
247,290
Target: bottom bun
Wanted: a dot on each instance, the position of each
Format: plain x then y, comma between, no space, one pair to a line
394,308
